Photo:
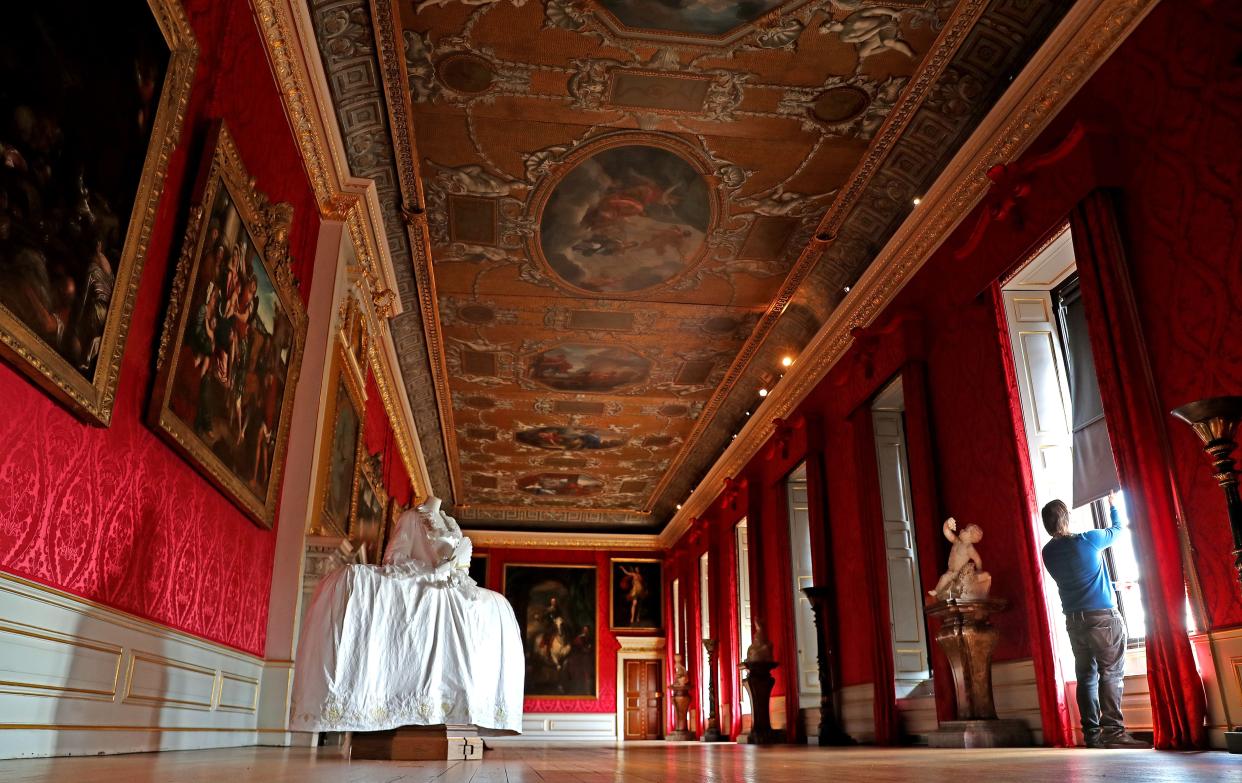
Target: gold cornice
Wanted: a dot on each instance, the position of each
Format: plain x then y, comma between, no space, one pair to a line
1081,42
963,19
503,539
390,49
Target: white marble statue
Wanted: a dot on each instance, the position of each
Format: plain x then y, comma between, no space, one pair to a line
411,642
965,578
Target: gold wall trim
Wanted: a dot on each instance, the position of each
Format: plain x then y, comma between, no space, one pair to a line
104,613
1084,39
503,539
50,635
131,698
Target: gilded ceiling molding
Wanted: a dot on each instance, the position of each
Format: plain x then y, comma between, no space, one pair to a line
506,539
916,91
390,50
294,58
1084,39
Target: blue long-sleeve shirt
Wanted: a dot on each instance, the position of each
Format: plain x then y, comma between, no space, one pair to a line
1076,562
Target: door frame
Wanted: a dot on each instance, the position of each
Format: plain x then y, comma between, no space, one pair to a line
639,648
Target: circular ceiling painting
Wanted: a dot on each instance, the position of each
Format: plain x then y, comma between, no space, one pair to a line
568,438
466,73
840,104
627,218
560,484
703,17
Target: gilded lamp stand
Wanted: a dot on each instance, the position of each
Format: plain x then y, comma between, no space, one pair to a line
1215,421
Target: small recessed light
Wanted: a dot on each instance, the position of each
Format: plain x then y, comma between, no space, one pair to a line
763,392
734,436
787,361
679,507
917,200
847,289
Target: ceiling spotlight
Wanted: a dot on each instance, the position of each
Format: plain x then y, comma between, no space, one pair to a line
734,436
763,392
917,200
679,507
787,361
847,289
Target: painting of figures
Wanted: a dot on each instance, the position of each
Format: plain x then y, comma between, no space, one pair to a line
366,528
697,17
90,108
556,609
637,595
232,344
625,219
342,459
566,485
568,438
588,368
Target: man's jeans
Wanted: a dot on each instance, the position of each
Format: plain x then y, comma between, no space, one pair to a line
1098,639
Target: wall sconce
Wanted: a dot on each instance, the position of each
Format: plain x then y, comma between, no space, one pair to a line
1215,421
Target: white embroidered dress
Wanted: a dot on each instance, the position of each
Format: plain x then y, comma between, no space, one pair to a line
412,642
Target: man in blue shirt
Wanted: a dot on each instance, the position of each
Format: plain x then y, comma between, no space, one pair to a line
1097,631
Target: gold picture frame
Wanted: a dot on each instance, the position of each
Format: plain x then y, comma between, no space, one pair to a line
650,571
88,311
232,342
521,609
338,445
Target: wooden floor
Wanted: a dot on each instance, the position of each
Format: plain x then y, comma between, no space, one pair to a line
643,763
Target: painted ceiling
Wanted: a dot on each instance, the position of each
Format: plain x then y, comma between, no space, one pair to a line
626,212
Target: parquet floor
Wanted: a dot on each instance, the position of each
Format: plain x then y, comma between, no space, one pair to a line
644,763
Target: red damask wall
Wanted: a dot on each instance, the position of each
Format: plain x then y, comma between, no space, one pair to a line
112,514
606,640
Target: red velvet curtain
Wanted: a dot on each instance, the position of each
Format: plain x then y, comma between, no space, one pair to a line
1140,448
887,724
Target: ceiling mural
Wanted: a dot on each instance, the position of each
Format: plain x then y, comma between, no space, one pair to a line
632,210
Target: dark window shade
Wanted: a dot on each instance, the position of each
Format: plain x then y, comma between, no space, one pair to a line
1095,473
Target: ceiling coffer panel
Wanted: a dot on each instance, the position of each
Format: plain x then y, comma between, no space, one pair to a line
621,201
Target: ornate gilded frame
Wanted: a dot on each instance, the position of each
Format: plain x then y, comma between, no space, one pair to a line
612,588
92,399
268,226
343,374
504,591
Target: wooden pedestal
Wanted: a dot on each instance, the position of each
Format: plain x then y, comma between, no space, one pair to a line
681,703
417,743
759,682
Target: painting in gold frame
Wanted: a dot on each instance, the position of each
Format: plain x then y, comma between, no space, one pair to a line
338,446
636,594
557,610
93,105
367,518
232,342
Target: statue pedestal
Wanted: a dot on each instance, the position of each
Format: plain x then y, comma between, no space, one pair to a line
418,743
968,640
759,682
681,703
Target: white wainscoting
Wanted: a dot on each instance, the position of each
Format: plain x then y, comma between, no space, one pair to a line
562,727
1219,656
79,678
1013,690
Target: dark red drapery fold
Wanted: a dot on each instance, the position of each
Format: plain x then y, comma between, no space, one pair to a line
1136,427
887,721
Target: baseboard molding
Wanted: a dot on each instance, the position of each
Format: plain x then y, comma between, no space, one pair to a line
563,727
79,678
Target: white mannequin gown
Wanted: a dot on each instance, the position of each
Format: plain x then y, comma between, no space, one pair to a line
412,642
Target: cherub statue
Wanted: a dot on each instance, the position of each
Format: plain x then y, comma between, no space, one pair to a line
965,577
681,677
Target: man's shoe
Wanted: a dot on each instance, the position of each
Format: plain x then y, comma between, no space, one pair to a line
1121,741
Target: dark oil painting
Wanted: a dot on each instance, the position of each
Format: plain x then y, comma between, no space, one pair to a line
625,219
588,368
80,86
556,609
698,17
569,438
233,363
637,597
343,458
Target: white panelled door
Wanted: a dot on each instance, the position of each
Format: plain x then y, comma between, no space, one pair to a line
744,634
910,657
804,617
